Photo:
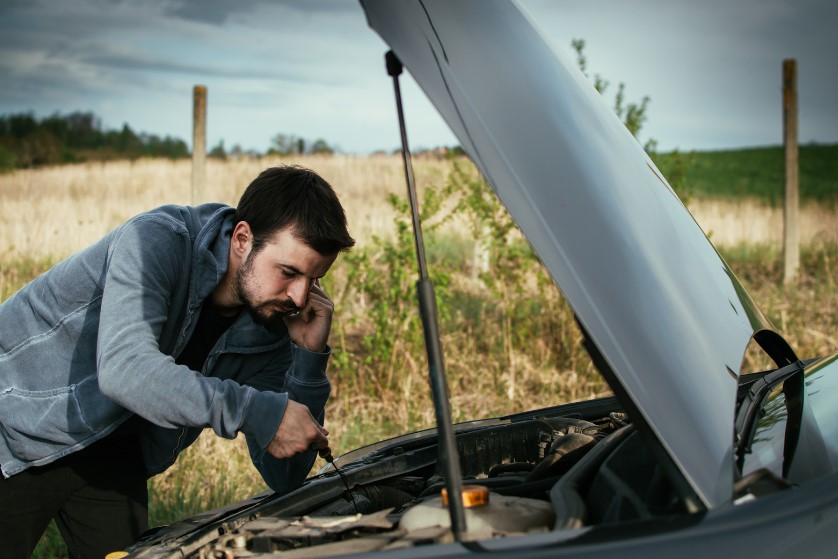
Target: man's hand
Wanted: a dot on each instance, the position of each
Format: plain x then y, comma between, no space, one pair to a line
310,328
298,432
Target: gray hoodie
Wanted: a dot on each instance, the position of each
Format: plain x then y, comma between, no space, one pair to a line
93,341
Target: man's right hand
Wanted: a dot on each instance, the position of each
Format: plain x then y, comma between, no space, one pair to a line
298,432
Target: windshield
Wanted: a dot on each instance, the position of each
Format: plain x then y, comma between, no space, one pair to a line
813,445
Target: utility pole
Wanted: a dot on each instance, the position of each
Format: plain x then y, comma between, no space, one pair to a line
199,142
791,234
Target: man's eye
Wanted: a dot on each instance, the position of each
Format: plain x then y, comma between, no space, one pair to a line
287,274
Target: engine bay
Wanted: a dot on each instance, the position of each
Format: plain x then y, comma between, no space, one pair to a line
526,476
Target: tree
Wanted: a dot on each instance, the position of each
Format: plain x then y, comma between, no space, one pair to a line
77,137
285,144
633,115
8,161
218,152
673,165
127,142
320,146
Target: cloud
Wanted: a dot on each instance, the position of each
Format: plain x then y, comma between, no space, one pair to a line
218,12
275,65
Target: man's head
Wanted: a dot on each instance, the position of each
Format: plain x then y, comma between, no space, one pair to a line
289,230
298,199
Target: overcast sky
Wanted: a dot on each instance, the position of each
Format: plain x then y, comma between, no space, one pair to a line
312,68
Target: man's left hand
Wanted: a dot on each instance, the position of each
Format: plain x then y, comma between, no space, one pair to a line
310,328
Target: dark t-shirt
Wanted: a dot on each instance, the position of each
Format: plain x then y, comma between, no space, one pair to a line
211,324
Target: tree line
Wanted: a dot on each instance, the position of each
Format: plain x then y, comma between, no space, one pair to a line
26,141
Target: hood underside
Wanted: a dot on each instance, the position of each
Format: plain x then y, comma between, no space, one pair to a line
665,313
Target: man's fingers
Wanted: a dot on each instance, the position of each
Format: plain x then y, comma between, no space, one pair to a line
323,430
297,432
317,293
319,304
316,305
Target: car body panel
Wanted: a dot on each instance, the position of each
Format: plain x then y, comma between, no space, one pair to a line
663,309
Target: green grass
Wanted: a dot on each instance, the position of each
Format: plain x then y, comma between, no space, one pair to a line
755,172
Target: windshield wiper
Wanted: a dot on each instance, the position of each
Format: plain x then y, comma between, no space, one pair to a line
752,404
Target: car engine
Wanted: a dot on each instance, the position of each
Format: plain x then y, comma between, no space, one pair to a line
522,477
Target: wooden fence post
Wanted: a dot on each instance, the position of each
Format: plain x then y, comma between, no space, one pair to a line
791,234
199,142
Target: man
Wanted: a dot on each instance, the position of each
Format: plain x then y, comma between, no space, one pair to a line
113,361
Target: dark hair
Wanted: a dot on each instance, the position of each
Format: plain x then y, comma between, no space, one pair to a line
293,196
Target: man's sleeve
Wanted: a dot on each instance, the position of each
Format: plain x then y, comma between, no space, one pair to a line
146,261
304,382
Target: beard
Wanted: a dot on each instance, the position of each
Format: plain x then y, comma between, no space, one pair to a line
267,313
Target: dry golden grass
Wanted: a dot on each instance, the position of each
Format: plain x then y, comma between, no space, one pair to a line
58,210
55,211
729,223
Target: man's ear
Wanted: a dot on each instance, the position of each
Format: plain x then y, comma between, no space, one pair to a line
242,239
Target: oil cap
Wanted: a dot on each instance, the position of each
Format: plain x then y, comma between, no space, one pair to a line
473,496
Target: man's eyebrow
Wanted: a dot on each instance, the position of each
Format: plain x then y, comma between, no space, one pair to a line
290,268
294,269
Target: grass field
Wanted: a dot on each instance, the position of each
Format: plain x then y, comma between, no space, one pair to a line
514,358
757,173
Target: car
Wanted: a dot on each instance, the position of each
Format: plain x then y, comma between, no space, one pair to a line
690,457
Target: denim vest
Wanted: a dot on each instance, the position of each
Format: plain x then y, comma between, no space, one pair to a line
93,341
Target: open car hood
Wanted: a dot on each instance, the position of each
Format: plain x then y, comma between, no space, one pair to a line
668,320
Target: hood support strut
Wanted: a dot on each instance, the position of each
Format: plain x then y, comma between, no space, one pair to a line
448,455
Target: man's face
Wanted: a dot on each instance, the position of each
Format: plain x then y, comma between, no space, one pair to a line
275,281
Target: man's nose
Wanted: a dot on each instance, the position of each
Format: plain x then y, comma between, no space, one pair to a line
298,291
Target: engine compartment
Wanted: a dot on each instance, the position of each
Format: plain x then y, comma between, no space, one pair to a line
538,474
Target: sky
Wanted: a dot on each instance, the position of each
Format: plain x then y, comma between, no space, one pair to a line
314,69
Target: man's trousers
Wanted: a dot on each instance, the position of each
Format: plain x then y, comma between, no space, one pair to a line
98,498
